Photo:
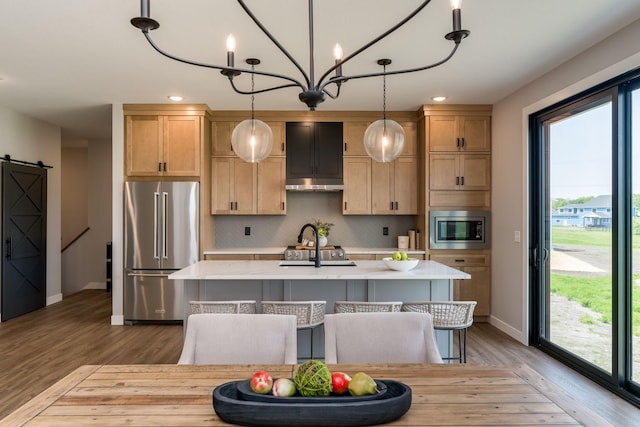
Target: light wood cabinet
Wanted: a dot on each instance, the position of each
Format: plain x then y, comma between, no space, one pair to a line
271,193
353,138
163,145
221,132
395,187
233,186
279,138
478,288
459,133
241,188
356,197
453,171
221,138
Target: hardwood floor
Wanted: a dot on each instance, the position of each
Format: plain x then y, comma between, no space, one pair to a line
38,349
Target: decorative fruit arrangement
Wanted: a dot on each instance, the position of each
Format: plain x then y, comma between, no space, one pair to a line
313,379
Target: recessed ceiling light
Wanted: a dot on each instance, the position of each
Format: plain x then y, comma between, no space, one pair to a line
175,98
439,98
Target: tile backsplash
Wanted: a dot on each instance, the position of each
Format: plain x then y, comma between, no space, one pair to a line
303,207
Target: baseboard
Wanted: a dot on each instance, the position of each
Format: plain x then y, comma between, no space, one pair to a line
54,299
509,330
117,320
95,285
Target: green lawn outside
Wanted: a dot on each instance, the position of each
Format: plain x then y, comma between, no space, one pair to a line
595,294
585,237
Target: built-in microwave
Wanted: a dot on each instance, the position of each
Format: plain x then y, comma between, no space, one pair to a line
459,229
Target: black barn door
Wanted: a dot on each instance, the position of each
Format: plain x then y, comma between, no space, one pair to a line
24,231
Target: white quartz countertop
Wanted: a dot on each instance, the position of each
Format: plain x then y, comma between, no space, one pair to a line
280,250
271,270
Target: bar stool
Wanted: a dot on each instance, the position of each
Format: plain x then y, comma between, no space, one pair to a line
309,314
366,306
231,307
448,315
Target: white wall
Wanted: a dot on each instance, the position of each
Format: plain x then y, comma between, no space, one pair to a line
84,262
25,138
117,183
615,55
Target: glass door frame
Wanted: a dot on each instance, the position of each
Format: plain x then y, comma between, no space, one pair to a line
618,91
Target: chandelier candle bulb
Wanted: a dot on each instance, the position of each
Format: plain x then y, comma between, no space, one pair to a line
231,48
337,54
145,8
457,18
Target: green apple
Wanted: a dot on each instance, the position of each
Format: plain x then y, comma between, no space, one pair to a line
396,256
403,256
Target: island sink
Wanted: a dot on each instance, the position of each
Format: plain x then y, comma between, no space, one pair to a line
311,263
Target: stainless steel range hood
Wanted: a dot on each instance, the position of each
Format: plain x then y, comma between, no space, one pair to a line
314,184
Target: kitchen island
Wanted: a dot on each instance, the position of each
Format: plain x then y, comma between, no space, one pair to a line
364,281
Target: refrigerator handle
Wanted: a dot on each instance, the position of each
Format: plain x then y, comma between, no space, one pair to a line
165,224
156,197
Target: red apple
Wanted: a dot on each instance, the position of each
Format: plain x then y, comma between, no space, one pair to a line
261,382
340,382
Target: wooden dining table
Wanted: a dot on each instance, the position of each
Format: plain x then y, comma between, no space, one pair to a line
181,395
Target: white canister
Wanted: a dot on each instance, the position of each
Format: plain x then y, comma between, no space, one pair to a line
403,242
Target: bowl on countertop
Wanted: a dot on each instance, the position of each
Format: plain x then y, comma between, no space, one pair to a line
400,265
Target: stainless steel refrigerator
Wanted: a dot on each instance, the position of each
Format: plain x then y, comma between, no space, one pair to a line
161,236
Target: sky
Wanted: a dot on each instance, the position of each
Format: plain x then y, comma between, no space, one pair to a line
581,153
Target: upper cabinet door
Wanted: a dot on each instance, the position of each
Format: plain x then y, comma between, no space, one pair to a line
328,150
459,133
353,139
300,150
279,145
144,145
314,150
221,138
181,146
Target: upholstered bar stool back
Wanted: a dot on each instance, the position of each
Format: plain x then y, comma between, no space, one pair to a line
448,315
310,314
237,307
366,306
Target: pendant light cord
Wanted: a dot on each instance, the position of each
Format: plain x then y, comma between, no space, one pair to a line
384,99
252,94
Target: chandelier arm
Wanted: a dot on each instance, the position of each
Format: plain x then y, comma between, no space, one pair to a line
254,92
371,43
277,43
332,96
339,80
293,81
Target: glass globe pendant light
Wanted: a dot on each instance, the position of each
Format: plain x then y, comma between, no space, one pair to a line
252,140
384,139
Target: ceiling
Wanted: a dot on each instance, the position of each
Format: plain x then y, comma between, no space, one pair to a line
66,61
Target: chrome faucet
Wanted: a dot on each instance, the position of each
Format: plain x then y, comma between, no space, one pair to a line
315,231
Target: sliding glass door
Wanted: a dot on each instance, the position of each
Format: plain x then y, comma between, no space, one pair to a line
579,146
585,233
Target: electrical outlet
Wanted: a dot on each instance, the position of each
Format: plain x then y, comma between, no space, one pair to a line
247,231
385,231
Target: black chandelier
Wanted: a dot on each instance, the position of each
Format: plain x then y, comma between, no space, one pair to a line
313,92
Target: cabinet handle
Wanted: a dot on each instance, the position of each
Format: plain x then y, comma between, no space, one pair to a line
282,204
345,206
462,180
396,205
235,206
458,142
462,142
159,166
391,205
458,260
345,146
230,206
164,166
282,147
457,180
